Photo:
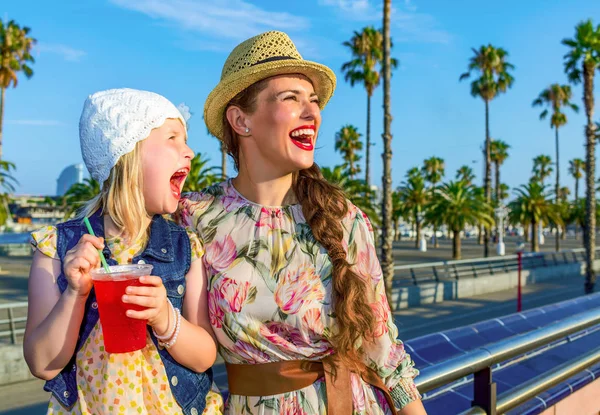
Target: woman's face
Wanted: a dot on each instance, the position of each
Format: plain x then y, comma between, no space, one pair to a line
283,127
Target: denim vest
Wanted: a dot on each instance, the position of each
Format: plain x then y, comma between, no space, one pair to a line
169,251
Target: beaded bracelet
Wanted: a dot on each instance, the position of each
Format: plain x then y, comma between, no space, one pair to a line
169,333
173,340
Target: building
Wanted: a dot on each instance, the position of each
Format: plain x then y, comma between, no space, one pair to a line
68,177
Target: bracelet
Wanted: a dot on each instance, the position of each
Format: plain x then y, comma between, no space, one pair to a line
173,340
169,333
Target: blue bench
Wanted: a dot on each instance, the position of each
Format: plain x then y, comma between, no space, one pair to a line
455,398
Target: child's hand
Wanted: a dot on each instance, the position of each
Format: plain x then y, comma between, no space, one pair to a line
80,261
153,296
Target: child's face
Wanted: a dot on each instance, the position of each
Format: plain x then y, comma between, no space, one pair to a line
166,161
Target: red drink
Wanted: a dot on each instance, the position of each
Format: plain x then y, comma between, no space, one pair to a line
122,334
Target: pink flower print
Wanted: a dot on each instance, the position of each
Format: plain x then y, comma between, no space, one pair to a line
232,294
298,287
271,218
283,335
312,320
291,405
359,400
231,201
396,355
367,264
367,221
381,314
248,353
220,254
214,309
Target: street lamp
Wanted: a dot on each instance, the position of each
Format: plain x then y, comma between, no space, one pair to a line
423,241
501,213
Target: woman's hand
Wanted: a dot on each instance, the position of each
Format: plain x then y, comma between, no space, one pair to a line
80,261
153,296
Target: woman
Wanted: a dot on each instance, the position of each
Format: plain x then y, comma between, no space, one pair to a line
296,294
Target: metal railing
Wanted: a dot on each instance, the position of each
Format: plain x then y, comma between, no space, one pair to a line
479,363
413,274
13,326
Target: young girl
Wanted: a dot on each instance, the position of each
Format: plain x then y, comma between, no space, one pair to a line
134,144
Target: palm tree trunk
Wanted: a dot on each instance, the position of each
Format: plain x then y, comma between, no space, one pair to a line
387,263
1,117
526,234
576,189
590,167
534,236
223,161
368,149
456,245
497,166
396,233
557,190
488,176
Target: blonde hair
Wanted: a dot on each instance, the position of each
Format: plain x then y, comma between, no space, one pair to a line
122,198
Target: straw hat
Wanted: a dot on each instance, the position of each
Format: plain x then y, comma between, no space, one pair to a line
268,54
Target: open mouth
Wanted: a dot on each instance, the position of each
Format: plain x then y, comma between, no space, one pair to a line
303,137
177,180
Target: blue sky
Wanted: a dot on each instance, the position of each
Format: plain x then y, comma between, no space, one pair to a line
177,48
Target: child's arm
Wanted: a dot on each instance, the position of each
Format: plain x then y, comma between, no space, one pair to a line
53,320
195,347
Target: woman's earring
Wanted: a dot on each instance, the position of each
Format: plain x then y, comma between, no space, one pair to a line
247,130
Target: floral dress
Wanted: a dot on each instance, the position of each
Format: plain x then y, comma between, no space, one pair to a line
270,298
123,383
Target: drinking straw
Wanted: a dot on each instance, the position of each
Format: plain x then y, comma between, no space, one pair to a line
91,231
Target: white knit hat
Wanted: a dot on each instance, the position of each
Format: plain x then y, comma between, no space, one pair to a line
113,121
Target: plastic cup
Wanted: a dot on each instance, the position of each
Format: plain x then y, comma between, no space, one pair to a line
122,334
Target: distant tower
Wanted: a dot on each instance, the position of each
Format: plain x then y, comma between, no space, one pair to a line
68,177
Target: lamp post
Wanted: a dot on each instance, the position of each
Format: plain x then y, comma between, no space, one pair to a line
423,241
501,213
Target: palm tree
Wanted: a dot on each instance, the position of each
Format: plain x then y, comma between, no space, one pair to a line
499,154
457,204
490,62
503,194
8,183
542,168
581,62
387,262
347,142
556,96
533,205
223,161
201,176
576,169
367,53
465,174
434,169
356,191
414,197
15,53
80,193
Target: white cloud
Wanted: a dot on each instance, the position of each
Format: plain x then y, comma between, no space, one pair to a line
219,20
68,53
41,123
408,25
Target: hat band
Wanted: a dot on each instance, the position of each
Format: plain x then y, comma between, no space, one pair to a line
274,58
